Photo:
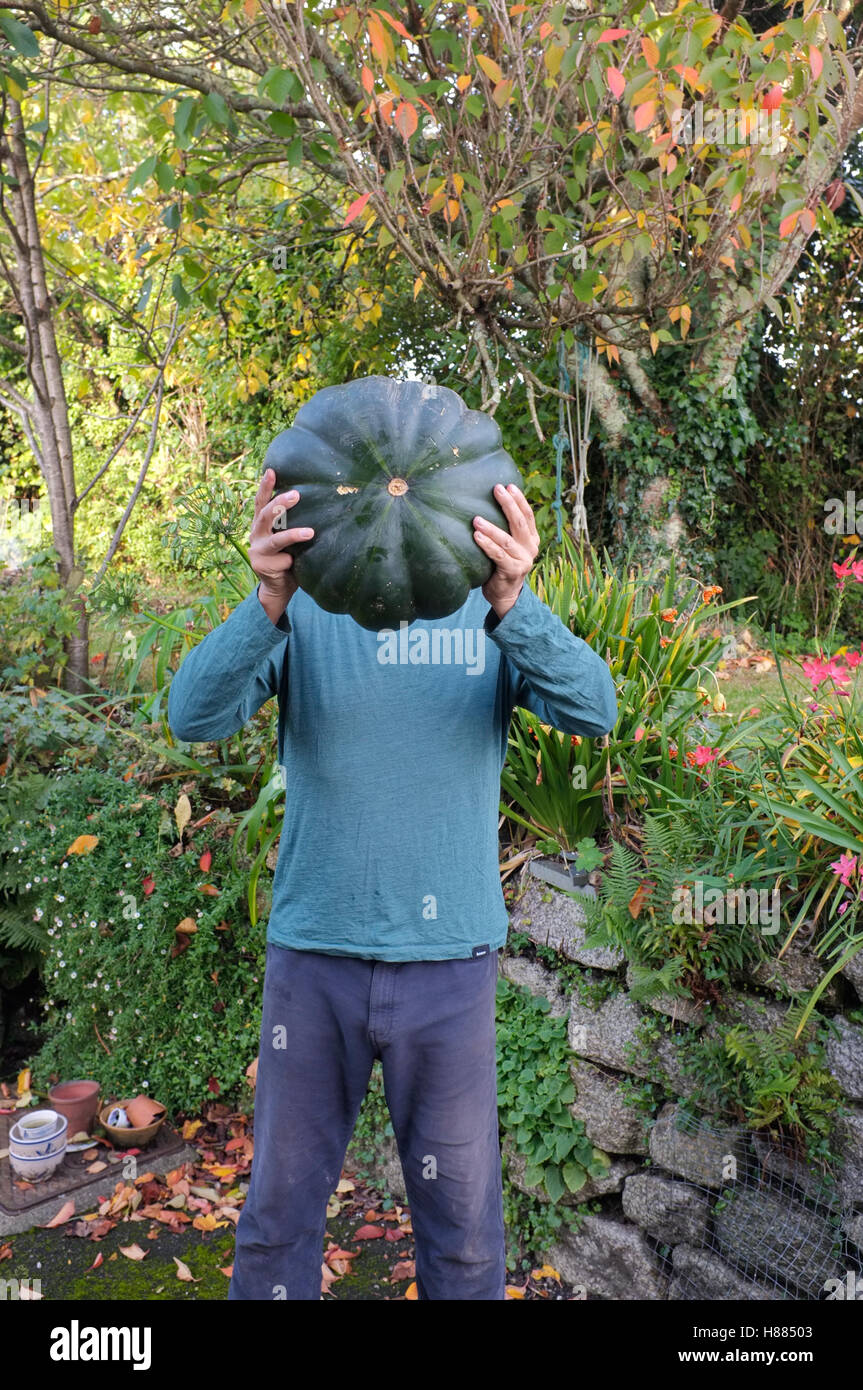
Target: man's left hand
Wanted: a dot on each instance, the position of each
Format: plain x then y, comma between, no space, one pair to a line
513,552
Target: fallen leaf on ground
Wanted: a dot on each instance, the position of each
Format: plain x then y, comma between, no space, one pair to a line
411,1291
514,1293
184,1272
369,1233
132,1252
66,1211
227,1270
98,1167
546,1272
5,1252
405,1269
98,1260
191,1127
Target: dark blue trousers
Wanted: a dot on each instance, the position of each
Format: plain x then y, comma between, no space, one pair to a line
432,1024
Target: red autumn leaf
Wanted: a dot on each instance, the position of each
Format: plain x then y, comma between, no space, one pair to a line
609,35
616,81
787,225
356,208
213,1085
98,1260
369,1233
394,1235
94,24
227,1270
209,888
772,99
336,1254
816,62
97,657
205,861
148,884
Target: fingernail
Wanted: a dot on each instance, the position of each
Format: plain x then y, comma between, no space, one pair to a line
306,531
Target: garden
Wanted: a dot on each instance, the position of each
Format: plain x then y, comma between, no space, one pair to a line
666,336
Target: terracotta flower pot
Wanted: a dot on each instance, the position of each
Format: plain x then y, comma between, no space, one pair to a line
143,1111
78,1101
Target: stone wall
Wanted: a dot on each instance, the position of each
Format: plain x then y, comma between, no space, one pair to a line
706,1210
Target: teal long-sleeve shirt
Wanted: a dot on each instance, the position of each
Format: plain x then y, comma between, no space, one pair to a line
392,745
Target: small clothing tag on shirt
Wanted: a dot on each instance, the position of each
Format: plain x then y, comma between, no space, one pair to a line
480,951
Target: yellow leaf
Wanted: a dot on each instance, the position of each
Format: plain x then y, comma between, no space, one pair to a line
182,813
553,58
451,210
191,1127
418,284
489,67
464,81
411,1291
512,1292
23,1081
546,1272
83,844
474,16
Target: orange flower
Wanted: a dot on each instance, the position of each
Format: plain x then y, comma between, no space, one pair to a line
665,641
668,615
711,591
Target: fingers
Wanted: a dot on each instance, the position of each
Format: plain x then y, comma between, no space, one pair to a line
280,539
516,509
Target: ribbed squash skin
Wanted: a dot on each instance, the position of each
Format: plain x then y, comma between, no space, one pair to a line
381,557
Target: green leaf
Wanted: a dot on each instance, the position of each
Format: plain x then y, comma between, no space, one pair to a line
143,172
283,85
164,177
294,153
216,108
554,1184
171,217
22,39
282,124
182,116
574,1176
178,290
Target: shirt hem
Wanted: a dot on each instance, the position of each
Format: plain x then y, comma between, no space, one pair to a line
419,952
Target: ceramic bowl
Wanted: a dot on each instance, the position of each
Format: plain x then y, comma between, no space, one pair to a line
37,1135
35,1159
133,1138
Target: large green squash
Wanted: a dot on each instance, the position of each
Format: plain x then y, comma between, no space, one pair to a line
390,476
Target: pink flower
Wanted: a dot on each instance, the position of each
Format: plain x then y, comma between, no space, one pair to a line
704,754
857,570
639,733
842,571
844,867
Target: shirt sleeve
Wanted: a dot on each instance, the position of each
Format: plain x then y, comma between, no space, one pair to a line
550,671
226,678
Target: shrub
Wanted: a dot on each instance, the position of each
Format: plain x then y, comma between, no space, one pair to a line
131,999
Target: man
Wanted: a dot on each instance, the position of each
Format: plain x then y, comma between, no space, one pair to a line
387,914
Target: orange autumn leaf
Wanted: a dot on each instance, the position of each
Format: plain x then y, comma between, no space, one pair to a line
411,1291
184,1272
210,889
205,861
609,35
464,81
638,898
367,78
66,1211
816,62
406,119
369,1233
98,1260
512,1292
227,1270
133,1252
83,844
451,209
644,115
651,52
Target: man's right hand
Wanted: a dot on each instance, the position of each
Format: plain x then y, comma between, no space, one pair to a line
267,547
